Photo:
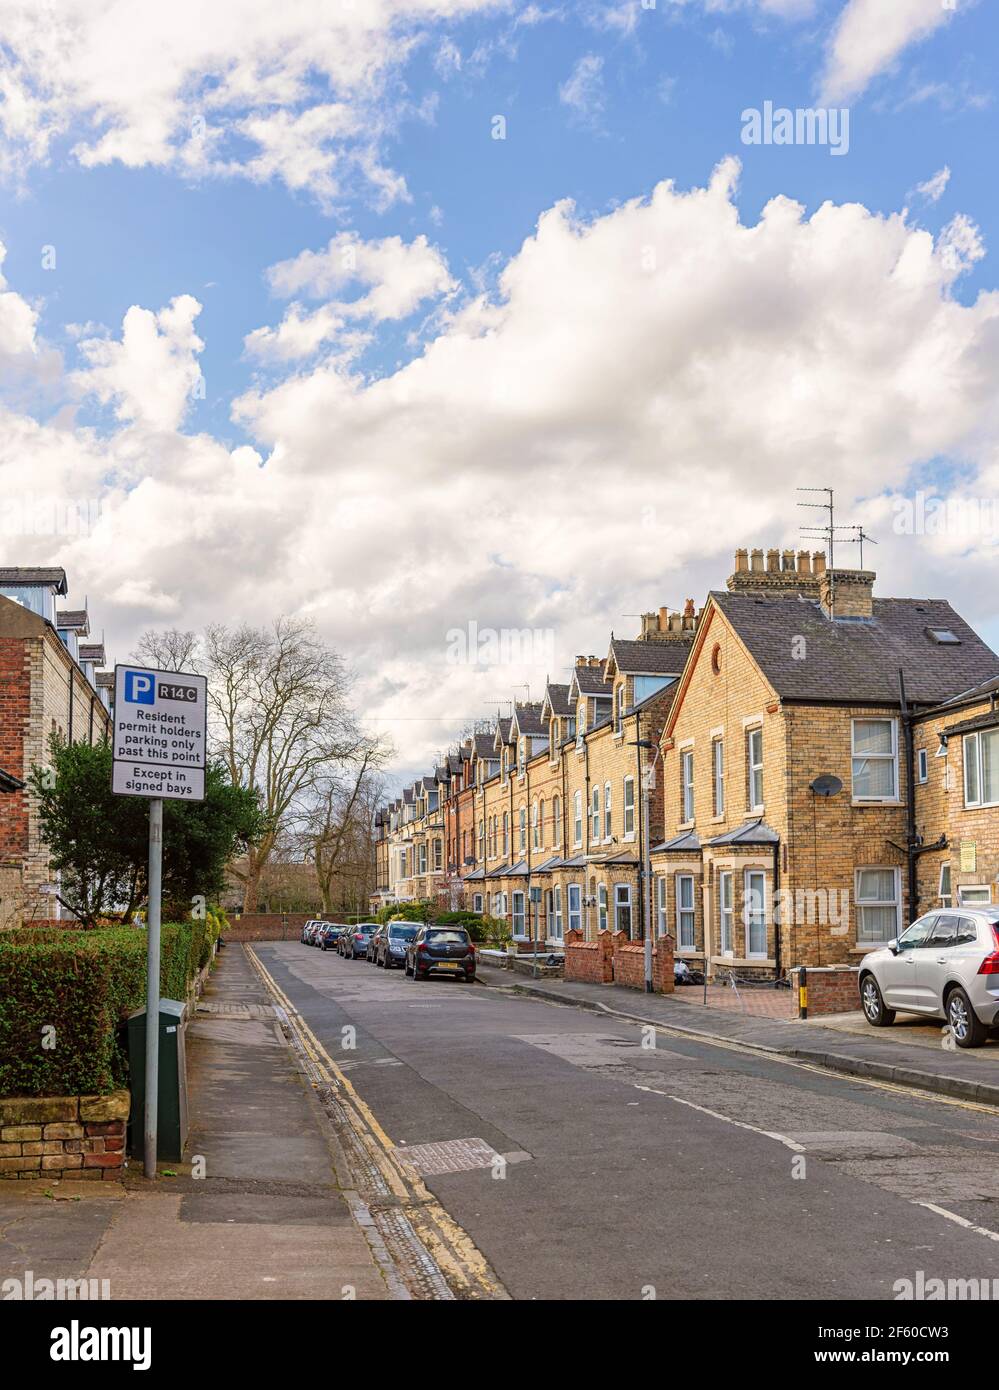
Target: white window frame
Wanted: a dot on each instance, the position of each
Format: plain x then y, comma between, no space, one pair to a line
891,758
422,857
476,902
982,891
602,907
506,832
608,809
754,767
519,913
878,902
574,903
726,912
541,823
662,918
522,825
750,915
945,885
977,762
629,808
718,775
577,819
595,813
558,911
683,912
622,903
687,785
922,766
535,843
556,821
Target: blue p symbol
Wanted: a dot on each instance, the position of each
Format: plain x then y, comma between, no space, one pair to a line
139,688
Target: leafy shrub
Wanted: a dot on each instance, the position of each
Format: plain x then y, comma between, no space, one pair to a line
73,989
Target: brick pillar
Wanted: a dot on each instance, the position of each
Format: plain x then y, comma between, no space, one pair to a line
662,965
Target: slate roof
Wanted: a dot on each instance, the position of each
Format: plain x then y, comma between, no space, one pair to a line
105,680
982,721
557,696
76,618
93,651
454,761
976,692
529,720
685,844
857,660
30,575
752,832
649,658
590,680
484,745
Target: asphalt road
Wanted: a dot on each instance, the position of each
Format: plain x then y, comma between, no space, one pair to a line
686,1170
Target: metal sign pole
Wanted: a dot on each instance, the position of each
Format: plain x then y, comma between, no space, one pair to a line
153,984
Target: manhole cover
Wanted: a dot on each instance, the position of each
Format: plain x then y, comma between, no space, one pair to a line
449,1156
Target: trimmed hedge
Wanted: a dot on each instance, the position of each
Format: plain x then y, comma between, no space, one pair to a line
81,985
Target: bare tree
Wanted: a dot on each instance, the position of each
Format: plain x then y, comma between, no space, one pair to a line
338,828
170,650
279,717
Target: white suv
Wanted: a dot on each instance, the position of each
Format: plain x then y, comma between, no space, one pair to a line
945,965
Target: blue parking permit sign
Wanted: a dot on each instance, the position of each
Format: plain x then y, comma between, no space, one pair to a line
140,688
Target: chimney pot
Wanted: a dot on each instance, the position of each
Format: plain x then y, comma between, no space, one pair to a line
756,559
663,619
741,561
773,560
804,562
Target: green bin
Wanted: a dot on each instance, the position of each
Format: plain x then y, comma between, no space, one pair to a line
172,1099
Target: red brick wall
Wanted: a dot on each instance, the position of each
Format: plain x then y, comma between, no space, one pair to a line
267,926
15,695
831,989
590,962
629,963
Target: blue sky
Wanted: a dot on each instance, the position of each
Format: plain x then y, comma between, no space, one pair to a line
603,101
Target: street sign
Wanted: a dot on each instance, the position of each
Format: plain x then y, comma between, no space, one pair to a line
159,734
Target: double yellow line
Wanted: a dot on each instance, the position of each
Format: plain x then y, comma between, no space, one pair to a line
453,1251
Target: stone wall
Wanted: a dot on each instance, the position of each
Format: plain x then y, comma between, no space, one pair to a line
63,1136
267,926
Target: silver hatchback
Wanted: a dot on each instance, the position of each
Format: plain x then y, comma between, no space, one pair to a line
946,965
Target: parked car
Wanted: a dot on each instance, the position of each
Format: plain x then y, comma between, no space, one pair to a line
309,931
328,934
373,940
946,965
391,943
355,940
445,950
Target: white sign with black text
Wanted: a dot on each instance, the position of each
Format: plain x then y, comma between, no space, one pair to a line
160,720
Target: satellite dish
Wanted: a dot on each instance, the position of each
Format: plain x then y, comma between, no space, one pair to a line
826,785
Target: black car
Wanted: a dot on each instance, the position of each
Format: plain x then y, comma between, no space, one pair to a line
391,942
328,935
440,950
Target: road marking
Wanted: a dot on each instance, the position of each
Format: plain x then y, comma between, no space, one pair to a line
716,1115
759,1050
959,1220
443,1239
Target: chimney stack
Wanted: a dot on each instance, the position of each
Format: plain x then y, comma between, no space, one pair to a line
777,571
847,593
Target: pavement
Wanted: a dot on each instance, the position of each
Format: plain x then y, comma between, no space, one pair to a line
910,1053
272,1215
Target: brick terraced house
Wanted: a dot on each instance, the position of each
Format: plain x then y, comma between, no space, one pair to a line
768,739
50,682
793,809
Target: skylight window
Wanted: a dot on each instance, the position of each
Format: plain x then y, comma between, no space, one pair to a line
944,637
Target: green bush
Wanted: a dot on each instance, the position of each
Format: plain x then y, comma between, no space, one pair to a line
73,989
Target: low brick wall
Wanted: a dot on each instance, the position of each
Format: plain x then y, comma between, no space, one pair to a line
63,1136
267,926
629,963
832,989
590,962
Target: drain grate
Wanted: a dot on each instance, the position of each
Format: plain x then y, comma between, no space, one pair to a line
448,1156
